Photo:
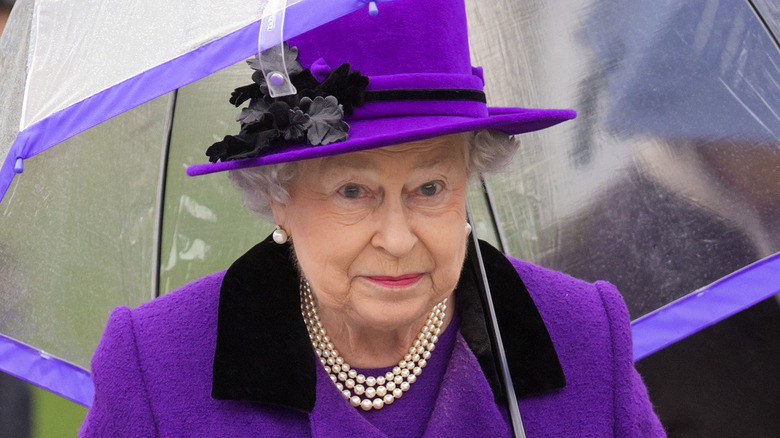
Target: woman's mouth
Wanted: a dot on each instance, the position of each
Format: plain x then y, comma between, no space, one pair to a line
396,282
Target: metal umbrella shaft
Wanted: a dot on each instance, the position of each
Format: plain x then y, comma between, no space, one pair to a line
495,335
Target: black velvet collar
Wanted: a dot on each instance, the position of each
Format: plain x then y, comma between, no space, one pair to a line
260,328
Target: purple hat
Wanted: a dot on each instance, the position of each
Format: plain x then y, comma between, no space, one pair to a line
366,82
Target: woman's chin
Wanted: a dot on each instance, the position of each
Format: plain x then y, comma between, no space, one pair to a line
395,315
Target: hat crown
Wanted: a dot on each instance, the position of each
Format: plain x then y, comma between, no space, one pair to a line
407,36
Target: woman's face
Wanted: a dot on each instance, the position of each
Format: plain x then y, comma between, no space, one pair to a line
381,234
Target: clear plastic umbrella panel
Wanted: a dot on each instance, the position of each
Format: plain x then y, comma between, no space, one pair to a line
667,184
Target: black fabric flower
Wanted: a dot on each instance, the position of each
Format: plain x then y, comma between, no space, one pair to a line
327,125
299,125
242,94
348,87
314,115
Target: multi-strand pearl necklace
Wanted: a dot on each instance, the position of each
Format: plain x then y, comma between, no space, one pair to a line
370,392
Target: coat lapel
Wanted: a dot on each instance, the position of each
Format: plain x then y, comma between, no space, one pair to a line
263,352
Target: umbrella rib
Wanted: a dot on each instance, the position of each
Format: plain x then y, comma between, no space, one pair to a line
157,251
495,334
489,200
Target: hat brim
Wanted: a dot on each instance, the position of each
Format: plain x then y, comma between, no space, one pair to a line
367,134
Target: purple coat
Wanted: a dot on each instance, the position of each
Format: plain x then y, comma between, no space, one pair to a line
228,355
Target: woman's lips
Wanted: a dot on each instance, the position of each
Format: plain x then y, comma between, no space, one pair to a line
396,282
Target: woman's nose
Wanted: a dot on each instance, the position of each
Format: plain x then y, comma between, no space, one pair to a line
394,233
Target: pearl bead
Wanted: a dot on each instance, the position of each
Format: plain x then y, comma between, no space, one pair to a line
370,392
381,380
370,380
388,399
422,363
389,375
378,403
427,355
346,393
360,378
381,391
359,389
402,364
397,393
390,385
349,383
336,368
396,370
408,357
340,386
344,365
405,373
327,369
352,374
417,371
343,376
404,386
354,401
409,366
366,405
411,379
398,380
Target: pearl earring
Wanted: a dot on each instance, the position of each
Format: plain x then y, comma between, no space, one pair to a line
280,236
468,228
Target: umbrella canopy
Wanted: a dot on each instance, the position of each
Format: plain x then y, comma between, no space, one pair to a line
666,185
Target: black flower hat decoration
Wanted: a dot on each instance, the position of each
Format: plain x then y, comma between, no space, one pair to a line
314,115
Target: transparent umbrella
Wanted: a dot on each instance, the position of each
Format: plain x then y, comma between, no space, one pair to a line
666,185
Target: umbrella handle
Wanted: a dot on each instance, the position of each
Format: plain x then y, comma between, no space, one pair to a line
511,399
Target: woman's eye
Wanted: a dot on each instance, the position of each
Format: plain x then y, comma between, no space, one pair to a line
430,189
352,191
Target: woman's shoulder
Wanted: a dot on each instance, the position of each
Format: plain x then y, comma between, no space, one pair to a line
587,322
170,323
559,294
190,301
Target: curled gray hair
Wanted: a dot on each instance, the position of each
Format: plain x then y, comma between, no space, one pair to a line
487,151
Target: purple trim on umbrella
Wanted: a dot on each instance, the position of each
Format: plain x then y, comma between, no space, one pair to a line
707,306
163,79
50,373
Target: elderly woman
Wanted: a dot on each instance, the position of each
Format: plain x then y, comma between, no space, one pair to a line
358,316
